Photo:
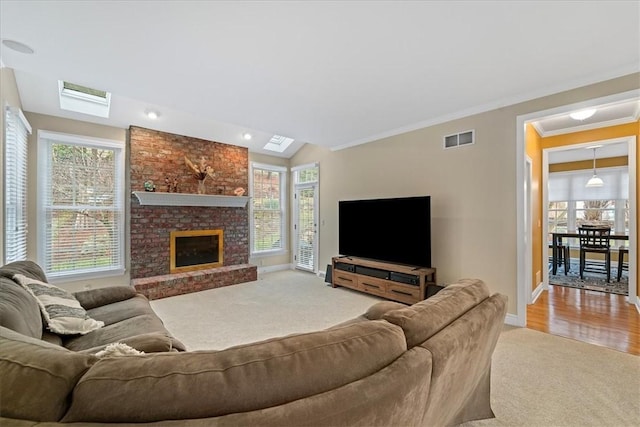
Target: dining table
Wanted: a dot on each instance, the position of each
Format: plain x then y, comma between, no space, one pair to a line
556,241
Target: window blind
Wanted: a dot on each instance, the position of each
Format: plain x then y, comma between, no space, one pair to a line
571,185
17,130
81,207
268,207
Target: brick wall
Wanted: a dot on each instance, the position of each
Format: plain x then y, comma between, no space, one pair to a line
156,155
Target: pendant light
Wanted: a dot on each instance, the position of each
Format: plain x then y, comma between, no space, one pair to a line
594,181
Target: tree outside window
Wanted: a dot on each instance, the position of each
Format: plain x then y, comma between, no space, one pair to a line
268,207
82,213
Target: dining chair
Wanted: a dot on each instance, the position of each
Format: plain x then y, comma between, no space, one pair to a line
562,256
622,251
595,240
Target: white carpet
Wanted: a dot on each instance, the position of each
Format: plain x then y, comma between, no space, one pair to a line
537,379
279,303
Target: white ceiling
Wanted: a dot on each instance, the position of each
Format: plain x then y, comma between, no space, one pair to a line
334,74
573,154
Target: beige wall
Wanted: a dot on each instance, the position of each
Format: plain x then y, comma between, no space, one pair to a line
74,127
9,96
473,188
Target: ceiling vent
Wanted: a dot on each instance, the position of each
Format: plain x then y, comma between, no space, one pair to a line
459,139
82,99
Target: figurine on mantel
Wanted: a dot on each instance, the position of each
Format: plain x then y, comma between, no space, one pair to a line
172,185
239,191
200,172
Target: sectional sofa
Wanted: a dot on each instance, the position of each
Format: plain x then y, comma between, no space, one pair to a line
428,364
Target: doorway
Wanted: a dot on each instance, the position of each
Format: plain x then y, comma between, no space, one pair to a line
583,204
525,293
305,221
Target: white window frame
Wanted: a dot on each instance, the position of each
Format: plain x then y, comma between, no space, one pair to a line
298,186
45,140
284,209
619,210
17,130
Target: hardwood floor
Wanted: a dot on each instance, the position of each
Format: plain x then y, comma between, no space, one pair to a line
594,317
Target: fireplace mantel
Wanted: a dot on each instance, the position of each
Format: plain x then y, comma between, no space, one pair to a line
153,198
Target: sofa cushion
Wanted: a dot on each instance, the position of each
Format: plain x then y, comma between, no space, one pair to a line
152,342
102,296
422,320
37,377
244,378
19,310
116,332
61,311
116,312
51,338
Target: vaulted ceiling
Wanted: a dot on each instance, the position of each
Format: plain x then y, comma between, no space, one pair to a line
334,74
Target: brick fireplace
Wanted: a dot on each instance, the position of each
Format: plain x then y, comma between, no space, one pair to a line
158,156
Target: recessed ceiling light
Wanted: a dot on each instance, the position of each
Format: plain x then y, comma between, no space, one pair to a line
17,46
152,115
583,114
246,136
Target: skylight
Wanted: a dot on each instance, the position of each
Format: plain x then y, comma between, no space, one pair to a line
82,99
278,143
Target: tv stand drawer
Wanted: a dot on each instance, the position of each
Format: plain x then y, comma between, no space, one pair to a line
342,278
372,285
403,293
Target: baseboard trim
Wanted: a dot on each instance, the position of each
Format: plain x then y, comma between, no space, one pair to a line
514,320
272,268
537,291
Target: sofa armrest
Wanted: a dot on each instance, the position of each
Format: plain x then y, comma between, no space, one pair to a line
102,296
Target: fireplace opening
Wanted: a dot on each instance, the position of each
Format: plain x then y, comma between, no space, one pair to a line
196,250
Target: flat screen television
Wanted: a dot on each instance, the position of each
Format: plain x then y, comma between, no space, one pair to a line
396,230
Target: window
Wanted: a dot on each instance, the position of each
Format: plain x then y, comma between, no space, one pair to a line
572,204
307,174
15,185
278,143
268,205
558,215
82,99
570,215
80,206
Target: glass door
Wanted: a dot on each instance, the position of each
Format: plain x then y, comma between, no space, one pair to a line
305,226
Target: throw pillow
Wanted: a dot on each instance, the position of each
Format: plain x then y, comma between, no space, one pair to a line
118,349
61,311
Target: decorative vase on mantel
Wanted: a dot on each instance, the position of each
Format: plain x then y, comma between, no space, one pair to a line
200,172
201,187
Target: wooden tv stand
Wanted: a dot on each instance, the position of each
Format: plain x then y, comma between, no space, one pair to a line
396,282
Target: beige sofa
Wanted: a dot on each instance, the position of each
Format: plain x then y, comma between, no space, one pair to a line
428,364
